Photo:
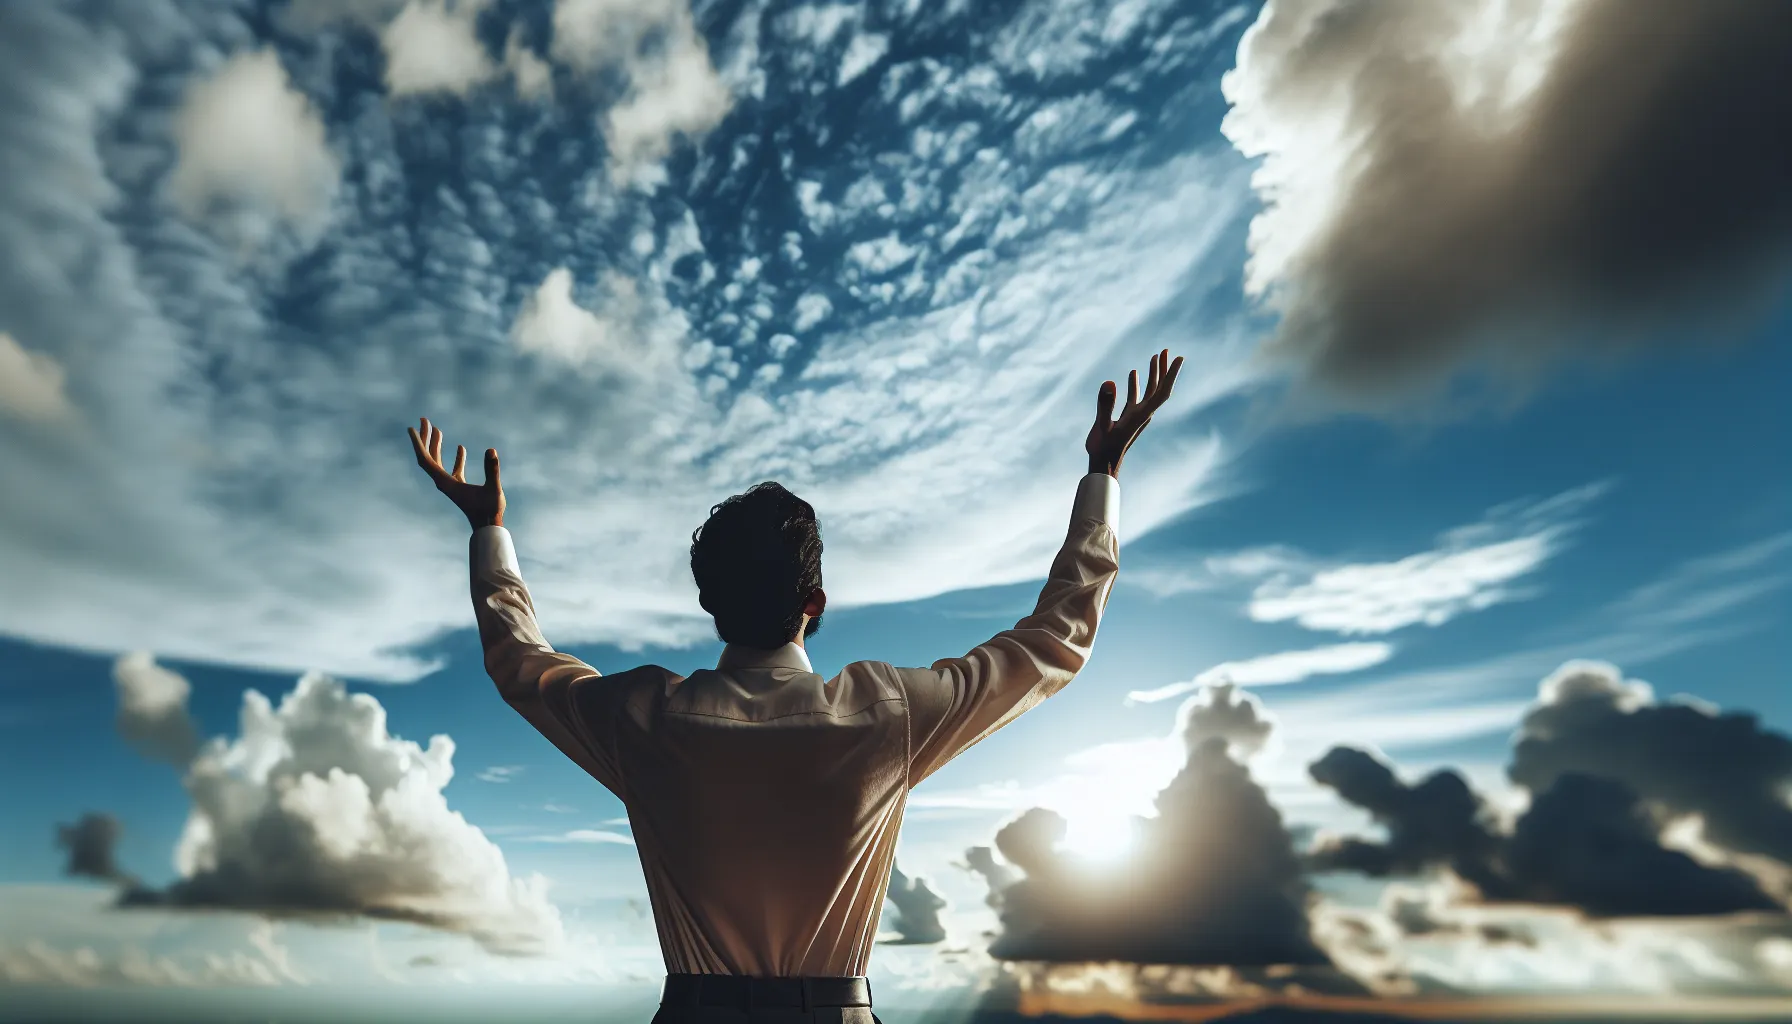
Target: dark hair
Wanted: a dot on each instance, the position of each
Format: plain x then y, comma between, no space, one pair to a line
756,560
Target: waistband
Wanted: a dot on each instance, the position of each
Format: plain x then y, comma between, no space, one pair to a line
746,992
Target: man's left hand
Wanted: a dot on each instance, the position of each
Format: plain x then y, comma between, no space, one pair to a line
482,504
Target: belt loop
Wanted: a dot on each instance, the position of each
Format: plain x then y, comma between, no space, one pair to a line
749,980
804,985
697,991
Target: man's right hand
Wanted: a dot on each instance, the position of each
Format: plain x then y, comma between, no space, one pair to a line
1109,438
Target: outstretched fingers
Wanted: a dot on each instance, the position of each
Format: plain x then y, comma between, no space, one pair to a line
460,463
1104,404
1168,379
491,469
420,445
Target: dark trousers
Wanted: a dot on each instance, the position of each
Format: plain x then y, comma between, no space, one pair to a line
736,999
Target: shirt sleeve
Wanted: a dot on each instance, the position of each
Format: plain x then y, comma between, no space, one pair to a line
564,698
959,701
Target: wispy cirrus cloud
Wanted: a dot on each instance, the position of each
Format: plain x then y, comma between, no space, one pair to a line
1470,568
583,835
1273,669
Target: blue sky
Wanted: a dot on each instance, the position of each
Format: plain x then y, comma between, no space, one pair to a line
883,254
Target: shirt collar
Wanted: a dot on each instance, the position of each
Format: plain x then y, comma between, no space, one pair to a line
739,656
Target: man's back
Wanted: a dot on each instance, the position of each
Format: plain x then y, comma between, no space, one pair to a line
750,786
766,800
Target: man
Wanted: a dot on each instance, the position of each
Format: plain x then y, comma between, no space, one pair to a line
764,799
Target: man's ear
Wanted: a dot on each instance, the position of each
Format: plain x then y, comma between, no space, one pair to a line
817,603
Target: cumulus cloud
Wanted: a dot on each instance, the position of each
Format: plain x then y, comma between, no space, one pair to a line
1501,183
433,46
551,323
32,384
917,920
1215,879
1591,838
1273,669
315,809
152,709
252,146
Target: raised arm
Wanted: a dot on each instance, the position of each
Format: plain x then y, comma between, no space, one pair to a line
958,701
546,687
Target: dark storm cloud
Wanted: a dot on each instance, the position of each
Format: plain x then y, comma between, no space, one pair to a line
1607,768
1440,822
1584,842
1215,879
917,920
981,861
1450,183
91,844
1229,714
1724,767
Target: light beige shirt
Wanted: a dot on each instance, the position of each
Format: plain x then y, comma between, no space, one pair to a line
765,800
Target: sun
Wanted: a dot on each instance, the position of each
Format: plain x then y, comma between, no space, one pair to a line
1107,791
1100,838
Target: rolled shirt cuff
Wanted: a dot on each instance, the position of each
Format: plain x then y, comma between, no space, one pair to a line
1098,498
492,548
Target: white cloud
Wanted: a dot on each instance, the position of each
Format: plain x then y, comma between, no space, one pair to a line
315,808
879,255
500,773
817,25
1775,955
1273,669
152,709
674,89
39,963
552,324
1472,568
864,51
432,46
584,835
534,76
781,345
31,383
811,309
246,136
1431,588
